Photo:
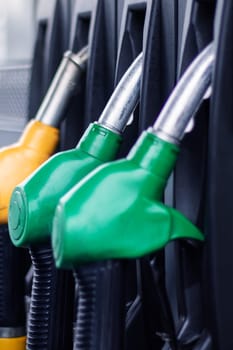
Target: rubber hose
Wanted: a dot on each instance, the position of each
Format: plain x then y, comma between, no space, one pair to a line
100,323
50,316
12,272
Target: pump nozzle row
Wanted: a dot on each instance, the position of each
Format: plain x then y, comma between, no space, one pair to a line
34,201
38,141
169,126
99,144
114,212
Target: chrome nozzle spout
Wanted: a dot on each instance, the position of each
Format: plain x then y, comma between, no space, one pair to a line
186,97
63,86
80,58
124,99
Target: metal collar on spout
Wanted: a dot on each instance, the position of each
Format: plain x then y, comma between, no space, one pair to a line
81,57
124,99
63,86
186,98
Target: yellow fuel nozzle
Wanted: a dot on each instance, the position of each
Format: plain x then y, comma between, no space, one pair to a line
40,138
19,160
18,343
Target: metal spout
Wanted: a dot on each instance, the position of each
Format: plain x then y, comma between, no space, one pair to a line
63,86
186,98
124,99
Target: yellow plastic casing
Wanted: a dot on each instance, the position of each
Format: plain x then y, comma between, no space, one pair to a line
18,343
36,145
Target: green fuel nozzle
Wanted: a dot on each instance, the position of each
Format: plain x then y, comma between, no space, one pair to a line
33,202
116,211
41,135
37,143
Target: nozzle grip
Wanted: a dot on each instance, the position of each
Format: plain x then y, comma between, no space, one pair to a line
12,272
100,320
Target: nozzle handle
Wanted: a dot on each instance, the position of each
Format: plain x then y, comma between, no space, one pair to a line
12,272
100,320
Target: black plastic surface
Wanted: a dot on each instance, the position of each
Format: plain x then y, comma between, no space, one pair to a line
130,45
51,311
159,75
12,270
186,291
219,224
160,50
131,36
73,126
101,306
101,67
159,326
171,34
51,41
93,23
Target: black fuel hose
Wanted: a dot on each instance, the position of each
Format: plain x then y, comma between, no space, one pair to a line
12,272
100,322
51,309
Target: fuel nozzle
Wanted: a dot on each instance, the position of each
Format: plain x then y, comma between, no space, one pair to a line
40,137
122,198
116,213
115,115
37,143
63,86
33,202
186,98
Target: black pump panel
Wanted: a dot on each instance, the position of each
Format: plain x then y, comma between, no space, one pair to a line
90,18
189,188
158,80
51,41
181,297
130,45
219,223
81,17
131,34
80,23
103,41
160,51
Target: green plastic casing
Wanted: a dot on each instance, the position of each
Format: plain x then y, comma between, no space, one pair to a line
33,202
115,211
